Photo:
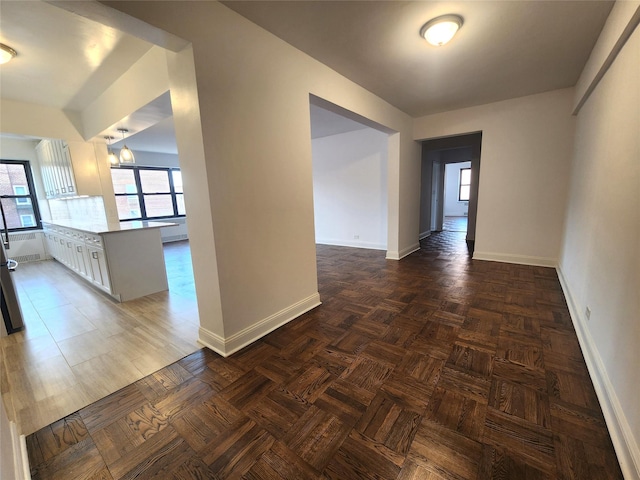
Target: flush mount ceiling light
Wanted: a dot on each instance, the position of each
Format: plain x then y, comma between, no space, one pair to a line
126,155
113,160
440,30
6,53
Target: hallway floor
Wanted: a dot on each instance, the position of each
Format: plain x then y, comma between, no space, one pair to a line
433,367
455,224
450,241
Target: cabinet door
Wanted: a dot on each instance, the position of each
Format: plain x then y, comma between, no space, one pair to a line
82,260
49,243
53,245
56,167
59,249
45,158
69,168
68,180
70,253
99,272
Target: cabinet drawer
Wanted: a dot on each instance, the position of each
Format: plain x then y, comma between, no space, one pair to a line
93,240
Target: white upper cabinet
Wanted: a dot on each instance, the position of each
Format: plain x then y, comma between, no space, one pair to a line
68,168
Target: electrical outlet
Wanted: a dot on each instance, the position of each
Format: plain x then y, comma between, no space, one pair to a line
587,312
356,237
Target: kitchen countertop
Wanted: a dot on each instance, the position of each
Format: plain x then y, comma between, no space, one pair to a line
109,227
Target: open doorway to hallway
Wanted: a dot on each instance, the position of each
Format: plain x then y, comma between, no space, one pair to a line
449,193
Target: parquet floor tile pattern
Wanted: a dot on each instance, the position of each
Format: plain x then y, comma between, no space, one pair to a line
433,367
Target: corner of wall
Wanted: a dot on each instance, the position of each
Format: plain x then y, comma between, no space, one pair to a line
399,255
14,460
622,21
228,345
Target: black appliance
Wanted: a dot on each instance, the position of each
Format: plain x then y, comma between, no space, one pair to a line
9,305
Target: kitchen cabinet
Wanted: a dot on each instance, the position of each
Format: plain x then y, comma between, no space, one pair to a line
125,261
98,270
82,260
68,168
80,252
77,254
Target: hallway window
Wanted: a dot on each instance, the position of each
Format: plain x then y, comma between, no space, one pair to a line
148,193
18,196
465,185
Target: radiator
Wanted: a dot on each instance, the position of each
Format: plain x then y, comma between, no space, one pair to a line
26,247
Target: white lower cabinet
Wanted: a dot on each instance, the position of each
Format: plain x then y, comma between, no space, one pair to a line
81,252
98,267
70,253
82,260
126,264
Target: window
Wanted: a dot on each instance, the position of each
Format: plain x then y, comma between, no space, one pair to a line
21,190
18,197
27,220
465,185
145,193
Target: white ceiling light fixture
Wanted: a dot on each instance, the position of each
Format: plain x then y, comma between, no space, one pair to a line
440,30
6,53
126,155
113,160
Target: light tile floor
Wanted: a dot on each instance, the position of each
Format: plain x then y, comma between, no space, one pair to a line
79,345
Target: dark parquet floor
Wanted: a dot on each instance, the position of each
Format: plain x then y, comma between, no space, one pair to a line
433,367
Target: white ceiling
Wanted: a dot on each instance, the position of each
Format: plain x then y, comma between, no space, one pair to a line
325,123
64,61
505,49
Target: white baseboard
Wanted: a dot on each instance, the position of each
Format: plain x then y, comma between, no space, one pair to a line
237,341
624,442
424,235
212,341
20,456
402,253
351,243
518,259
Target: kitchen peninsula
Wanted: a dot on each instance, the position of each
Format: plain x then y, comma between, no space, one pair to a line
125,260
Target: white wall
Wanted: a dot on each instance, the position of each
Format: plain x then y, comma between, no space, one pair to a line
350,189
253,166
452,206
600,261
528,139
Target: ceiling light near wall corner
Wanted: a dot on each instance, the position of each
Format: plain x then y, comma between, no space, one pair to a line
6,53
440,30
126,155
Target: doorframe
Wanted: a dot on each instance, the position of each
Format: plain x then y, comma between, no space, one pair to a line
433,187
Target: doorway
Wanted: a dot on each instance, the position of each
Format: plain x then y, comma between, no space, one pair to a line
450,184
350,178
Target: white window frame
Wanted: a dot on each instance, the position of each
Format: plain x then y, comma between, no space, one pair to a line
460,185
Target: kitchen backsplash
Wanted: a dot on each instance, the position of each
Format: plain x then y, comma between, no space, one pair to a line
78,209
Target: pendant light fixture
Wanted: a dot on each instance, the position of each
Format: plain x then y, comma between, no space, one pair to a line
6,53
126,155
113,160
440,30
